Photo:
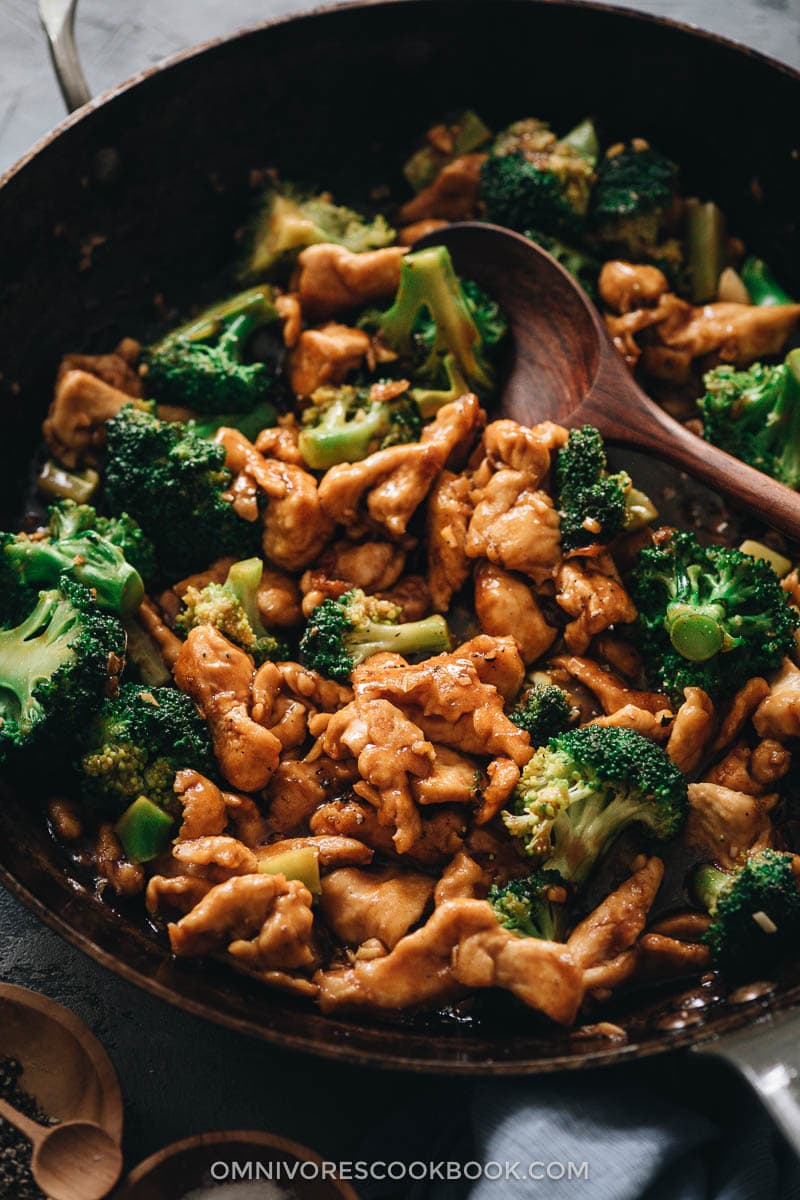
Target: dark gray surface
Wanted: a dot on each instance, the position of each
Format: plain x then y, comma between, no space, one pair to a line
179,1075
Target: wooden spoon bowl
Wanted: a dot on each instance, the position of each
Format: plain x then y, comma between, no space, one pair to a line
565,368
65,1067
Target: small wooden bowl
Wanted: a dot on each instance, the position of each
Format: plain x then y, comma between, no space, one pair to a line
65,1067
177,1170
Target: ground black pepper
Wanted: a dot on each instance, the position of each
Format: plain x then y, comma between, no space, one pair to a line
16,1181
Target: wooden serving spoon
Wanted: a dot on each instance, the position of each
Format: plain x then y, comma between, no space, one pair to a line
565,368
76,1160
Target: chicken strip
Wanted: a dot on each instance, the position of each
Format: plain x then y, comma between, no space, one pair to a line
506,606
515,526
331,279
325,356
218,676
453,195
753,771
334,852
724,825
440,838
359,905
296,528
692,730
460,946
75,426
616,923
203,806
462,879
778,714
592,593
448,516
392,483
612,692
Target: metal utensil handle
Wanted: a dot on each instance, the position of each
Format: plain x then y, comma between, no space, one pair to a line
766,1055
58,22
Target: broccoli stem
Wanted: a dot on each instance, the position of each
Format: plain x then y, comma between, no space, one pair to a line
429,636
696,631
584,139
762,285
94,563
244,579
31,653
790,454
705,244
707,884
254,304
583,830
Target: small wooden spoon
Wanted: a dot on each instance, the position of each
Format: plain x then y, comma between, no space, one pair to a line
76,1160
566,368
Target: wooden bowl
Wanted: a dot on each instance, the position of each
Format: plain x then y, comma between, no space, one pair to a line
65,1067
172,1173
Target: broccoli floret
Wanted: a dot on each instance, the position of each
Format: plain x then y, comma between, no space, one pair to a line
592,504
342,633
531,180
290,219
73,543
532,907
631,203
202,365
172,482
56,665
762,285
578,793
67,519
709,616
442,331
755,912
137,742
544,711
582,265
232,608
755,415
345,424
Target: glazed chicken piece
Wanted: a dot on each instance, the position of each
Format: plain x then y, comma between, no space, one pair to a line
656,726
449,512
453,195
330,279
506,606
110,863
724,825
411,595
390,751
202,804
753,771
447,698
288,309
460,946
325,356
170,895
592,593
441,836
462,879
218,676
372,566
217,858
451,780
117,369
778,714
359,905
74,428
604,944
264,921
612,692
298,788
692,730
503,778
245,819
150,620
682,332
334,852
281,441
742,707
296,528
285,695
392,483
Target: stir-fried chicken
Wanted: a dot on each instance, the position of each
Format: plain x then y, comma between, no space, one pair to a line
334,852
386,489
75,429
506,606
778,714
325,356
441,831
453,195
330,279
611,691
462,879
449,511
592,593
218,676
298,788
753,771
724,825
359,905
692,730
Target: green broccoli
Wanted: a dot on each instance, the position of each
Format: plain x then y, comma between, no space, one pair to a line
578,793
460,134
533,181
443,330
137,742
754,909
592,504
173,482
263,416
342,633
68,519
290,219
232,608
581,264
78,542
56,665
709,616
755,415
544,711
631,205
202,364
533,906
762,285
345,424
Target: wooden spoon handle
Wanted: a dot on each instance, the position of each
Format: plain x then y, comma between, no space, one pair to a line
624,414
32,1130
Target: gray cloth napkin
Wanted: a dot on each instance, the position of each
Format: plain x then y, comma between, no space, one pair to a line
673,1129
